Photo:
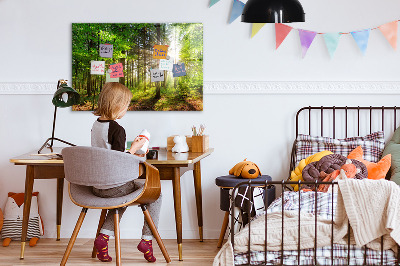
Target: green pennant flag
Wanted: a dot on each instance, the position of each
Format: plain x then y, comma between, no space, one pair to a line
213,2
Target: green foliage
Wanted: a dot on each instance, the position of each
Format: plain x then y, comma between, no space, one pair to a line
133,47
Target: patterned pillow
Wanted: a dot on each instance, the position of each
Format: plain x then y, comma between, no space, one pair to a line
372,145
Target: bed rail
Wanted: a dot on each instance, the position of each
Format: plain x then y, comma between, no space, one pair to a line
265,185
343,119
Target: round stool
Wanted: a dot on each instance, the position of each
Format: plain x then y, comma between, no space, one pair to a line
228,182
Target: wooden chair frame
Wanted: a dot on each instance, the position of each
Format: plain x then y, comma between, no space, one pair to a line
150,193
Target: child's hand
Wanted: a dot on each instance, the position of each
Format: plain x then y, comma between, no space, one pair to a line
137,144
142,155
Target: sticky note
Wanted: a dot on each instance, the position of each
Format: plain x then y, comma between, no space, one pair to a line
160,51
117,71
110,79
97,67
166,64
157,75
106,50
179,70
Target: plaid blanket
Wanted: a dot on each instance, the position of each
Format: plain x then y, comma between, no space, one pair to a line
322,204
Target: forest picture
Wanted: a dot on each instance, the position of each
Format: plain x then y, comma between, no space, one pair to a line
161,63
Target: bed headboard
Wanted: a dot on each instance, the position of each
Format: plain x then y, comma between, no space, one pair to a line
344,121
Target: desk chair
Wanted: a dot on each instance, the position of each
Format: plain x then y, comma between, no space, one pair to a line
85,167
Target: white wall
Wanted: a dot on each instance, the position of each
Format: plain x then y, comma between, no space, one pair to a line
35,39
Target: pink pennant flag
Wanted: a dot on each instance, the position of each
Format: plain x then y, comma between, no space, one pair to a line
281,31
389,30
306,39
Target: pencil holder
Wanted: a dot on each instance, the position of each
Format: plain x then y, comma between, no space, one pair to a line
200,143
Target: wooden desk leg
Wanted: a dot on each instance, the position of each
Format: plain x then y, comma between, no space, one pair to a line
176,183
60,190
27,206
199,204
223,229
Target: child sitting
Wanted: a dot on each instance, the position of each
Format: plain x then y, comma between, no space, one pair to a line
113,103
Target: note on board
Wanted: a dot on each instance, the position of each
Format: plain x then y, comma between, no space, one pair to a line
106,50
110,79
160,51
179,70
117,70
166,64
97,67
157,75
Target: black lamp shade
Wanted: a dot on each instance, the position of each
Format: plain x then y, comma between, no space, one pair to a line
65,96
273,11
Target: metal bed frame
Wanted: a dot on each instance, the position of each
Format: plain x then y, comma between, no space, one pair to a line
284,184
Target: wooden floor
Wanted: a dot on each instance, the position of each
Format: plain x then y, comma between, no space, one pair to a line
50,252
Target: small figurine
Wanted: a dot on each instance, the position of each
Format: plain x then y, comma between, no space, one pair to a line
180,144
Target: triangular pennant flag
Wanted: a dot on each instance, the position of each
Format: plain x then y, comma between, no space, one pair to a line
306,39
390,32
237,9
255,28
213,2
281,31
332,41
361,37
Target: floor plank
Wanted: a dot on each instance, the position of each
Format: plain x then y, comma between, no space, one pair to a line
50,252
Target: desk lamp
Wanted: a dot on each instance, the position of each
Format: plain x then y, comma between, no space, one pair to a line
273,11
64,97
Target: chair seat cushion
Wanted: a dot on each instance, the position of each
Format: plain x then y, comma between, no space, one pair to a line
83,196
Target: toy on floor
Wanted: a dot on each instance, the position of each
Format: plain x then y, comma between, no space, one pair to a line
13,215
245,169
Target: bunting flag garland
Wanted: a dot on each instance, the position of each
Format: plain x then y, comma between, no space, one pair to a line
213,2
256,28
389,30
306,39
361,38
237,9
281,31
332,41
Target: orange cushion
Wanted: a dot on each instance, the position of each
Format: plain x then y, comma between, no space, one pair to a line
375,170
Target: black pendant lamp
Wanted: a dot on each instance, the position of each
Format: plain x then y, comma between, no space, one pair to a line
273,11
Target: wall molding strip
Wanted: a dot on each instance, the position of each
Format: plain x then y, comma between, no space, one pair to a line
244,87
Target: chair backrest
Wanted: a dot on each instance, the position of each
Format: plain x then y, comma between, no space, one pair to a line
92,166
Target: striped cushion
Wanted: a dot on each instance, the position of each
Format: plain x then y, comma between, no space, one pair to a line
372,145
13,228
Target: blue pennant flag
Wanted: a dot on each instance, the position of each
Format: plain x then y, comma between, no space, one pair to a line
237,9
213,2
361,38
332,41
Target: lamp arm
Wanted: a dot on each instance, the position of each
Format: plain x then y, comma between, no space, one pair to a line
54,126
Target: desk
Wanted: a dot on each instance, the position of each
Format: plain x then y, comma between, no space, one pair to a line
170,165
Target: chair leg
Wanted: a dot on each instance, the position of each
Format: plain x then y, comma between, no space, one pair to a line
117,239
223,229
154,230
101,222
73,237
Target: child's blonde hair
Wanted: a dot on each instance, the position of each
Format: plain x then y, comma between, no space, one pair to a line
112,99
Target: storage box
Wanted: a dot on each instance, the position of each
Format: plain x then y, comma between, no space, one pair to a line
200,143
171,143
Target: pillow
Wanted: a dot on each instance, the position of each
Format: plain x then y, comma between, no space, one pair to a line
375,170
372,144
296,174
393,148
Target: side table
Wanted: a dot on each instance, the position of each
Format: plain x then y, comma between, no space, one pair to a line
226,183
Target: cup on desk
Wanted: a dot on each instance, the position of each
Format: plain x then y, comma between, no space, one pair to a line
152,155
